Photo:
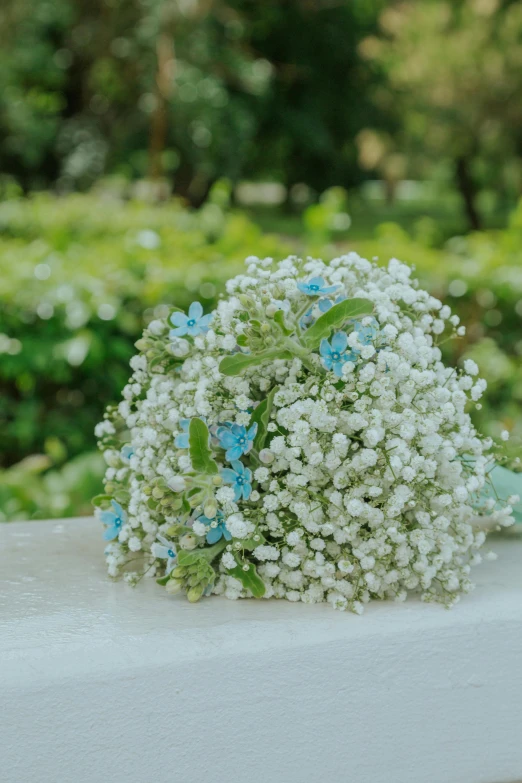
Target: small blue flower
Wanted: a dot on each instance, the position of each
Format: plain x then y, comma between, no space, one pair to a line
236,439
240,478
181,441
126,452
307,319
327,304
366,334
164,550
218,528
114,520
335,354
324,305
316,287
194,323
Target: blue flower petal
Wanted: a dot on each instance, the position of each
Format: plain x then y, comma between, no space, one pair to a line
234,453
178,319
110,533
325,349
179,332
160,551
214,534
229,476
325,305
181,441
107,517
227,439
205,321
195,310
329,289
339,342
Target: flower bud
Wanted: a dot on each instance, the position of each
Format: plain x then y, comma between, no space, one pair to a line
179,347
210,508
217,481
196,499
173,586
188,541
247,301
177,484
195,593
271,310
266,456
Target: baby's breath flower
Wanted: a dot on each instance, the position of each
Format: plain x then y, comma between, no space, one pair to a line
341,471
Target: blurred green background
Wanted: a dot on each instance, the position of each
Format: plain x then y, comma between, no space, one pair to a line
148,146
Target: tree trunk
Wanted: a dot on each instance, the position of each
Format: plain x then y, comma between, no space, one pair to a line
468,192
163,91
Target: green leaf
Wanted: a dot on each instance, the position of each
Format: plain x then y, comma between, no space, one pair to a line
186,557
163,580
101,500
334,319
261,416
250,579
279,318
200,454
239,362
250,544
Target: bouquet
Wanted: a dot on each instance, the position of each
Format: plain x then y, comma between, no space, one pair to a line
303,441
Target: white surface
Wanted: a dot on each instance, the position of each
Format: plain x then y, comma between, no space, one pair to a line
103,683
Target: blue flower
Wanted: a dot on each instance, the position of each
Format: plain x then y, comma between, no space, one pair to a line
316,287
307,319
194,323
324,305
366,334
126,452
164,550
236,439
327,304
240,478
336,355
181,441
218,528
114,520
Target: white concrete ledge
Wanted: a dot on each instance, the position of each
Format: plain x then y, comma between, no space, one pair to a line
103,683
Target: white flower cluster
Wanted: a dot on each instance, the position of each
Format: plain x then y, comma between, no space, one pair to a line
360,479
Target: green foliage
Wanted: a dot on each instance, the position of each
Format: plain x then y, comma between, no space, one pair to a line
35,489
188,92
453,83
200,453
80,277
248,576
106,267
334,319
261,417
239,362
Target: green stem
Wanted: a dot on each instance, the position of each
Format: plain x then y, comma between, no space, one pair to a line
304,310
302,353
213,551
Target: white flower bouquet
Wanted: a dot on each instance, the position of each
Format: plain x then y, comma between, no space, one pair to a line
303,441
